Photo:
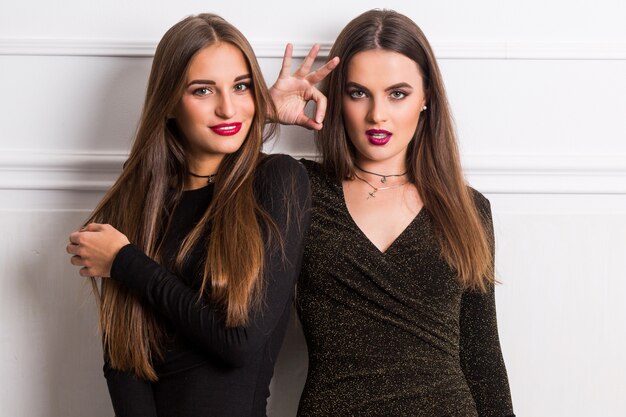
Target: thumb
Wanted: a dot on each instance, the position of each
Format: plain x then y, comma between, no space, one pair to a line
308,123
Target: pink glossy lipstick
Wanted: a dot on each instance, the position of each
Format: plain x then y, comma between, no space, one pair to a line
226,129
378,137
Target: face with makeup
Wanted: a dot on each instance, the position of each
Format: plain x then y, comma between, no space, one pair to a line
382,101
217,106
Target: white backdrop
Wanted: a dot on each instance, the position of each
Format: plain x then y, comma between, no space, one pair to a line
539,95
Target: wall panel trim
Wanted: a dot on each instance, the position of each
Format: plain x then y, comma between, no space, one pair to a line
444,50
505,174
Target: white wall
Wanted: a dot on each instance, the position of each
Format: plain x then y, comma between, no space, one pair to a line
539,95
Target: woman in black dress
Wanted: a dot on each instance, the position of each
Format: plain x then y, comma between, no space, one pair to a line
396,294
193,312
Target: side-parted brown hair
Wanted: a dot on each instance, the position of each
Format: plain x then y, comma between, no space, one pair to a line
143,198
432,160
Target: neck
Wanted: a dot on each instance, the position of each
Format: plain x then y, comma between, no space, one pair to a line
202,170
389,166
383,172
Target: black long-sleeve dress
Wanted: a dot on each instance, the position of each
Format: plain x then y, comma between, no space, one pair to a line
210,369
392,333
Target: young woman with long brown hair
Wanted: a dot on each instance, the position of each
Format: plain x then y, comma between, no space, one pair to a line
193,312
396,294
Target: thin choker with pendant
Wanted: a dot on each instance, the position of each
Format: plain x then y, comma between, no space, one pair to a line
372,194
383,178
210,179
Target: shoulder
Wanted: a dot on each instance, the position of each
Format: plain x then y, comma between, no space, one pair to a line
320,181
279,175
483,206
480,201
278,166
312,167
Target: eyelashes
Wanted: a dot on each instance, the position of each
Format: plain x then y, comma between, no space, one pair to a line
202,91
357,94
239,88
243,87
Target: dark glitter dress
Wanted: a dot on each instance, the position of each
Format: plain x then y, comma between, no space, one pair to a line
393,333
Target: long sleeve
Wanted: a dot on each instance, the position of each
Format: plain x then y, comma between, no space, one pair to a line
202,321
481,356
130,396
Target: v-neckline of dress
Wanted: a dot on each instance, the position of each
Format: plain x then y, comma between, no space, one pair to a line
398,238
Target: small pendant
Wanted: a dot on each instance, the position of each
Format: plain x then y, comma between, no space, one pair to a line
372,194
383,179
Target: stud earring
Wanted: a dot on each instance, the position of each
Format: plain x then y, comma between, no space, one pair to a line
424,108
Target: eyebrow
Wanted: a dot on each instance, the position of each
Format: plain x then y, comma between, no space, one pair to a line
399,85
211,82
392,87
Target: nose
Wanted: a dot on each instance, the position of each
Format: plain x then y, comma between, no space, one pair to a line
225,107
377,112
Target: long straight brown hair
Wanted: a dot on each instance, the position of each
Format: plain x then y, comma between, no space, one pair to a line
142,200
432,160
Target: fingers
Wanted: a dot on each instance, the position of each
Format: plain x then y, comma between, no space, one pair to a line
308,123
304,69
72,249
77,261
85,272
320,107
87,269
80,242
285,70
93,227
74,237
317,76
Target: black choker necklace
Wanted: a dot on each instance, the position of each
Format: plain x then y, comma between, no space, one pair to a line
372,194
383,178
210,179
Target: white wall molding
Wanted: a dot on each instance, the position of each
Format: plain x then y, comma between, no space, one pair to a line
497,174
444,50
129,48
25,170
77,47
547,174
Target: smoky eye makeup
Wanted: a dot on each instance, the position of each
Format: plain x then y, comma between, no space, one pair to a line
201,91
356,91
398,94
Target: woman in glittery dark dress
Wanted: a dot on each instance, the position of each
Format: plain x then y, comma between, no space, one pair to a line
396,294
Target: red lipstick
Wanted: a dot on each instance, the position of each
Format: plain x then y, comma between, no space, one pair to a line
378,137
226,129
